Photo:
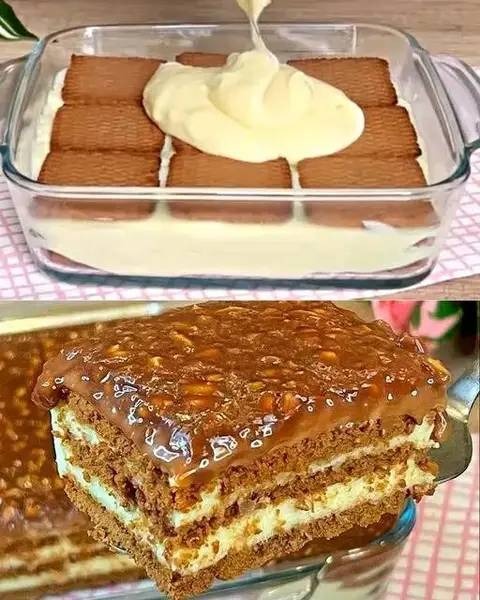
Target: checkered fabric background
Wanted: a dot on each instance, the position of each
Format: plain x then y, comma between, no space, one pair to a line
20,278
441,558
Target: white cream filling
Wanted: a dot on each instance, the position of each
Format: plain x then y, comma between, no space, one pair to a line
105,497
79,570
58,550
267,521
286,515
211,500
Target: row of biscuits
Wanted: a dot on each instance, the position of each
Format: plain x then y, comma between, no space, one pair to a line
103,137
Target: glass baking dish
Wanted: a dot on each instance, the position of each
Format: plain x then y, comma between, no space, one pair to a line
441,93
355,574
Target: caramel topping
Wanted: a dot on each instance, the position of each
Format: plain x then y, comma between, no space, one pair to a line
208,386
31,493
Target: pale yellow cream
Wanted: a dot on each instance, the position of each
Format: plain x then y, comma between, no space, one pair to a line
253,8
254,108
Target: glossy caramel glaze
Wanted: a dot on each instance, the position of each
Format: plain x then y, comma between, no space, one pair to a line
32,500
207,386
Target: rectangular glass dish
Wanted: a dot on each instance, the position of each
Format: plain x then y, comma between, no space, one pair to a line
356,244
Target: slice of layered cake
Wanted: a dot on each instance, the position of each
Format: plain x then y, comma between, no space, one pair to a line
214,438
44,545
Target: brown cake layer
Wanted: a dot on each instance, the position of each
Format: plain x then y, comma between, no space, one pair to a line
75,168
366,81
120,574
122,128
24,548
35,564
356,537
236,211
107,79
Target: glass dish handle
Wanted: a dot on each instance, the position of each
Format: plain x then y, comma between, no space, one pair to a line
9,74
463,88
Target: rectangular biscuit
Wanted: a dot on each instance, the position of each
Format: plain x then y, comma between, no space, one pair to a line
203,170
388,133
68,167
366,81
207,170
366,172
361,172
202,59
120,127
107,80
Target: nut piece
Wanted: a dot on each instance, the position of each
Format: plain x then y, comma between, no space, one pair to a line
289,403
329,357
267,402
198,389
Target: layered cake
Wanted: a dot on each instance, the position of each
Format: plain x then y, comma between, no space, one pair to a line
217,437
44,546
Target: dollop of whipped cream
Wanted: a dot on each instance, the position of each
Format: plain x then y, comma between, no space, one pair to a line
252,109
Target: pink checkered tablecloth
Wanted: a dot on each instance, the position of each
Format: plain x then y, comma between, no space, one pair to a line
20,278
441,558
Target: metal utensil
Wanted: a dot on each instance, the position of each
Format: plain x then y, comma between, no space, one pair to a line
455,453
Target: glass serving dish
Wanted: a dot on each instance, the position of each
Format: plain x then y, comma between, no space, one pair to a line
441,93
356,574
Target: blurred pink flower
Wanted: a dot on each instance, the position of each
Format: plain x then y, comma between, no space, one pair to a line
396,313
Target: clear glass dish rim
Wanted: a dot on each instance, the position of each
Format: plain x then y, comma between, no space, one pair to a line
459,176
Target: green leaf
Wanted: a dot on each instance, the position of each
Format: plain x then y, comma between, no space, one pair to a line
11,28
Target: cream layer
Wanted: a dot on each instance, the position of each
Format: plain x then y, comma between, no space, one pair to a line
58,550
80,570
268,521
64,421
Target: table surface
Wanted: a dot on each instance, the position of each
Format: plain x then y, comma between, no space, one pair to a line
442,26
